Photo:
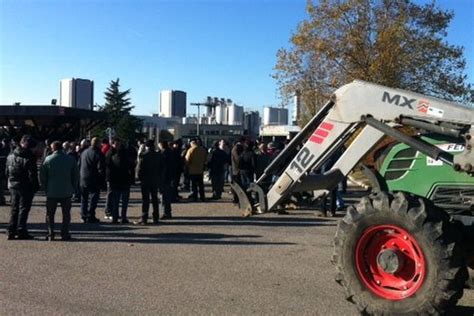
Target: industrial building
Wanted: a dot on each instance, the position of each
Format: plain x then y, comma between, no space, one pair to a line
252,124
172,103
76,93
158,127
275,116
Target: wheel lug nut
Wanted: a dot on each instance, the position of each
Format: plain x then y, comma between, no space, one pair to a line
378,282
405,237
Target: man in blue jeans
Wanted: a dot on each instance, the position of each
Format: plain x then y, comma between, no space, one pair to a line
119,173
59,176
92,178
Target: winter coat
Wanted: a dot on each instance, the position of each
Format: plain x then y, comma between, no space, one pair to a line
235,156
196,159
169,166
247,161
150,166
92,168
217,161
262,160
118,169
59,175
21,170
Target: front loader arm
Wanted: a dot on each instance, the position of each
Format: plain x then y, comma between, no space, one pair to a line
359,107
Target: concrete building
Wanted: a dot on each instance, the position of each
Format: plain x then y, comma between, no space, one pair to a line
76,93
209,133
155,126
252,124
278,133
275,116
173,103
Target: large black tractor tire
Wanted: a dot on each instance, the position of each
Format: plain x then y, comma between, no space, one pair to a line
428,273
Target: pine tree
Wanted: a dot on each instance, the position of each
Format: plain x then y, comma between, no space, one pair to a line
118,107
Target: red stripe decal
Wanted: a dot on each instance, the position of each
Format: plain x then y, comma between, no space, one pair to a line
326,126
316,139
321,132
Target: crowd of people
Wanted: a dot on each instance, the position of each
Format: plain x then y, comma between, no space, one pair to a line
70,172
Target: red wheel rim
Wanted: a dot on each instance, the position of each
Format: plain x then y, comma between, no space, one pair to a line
407,267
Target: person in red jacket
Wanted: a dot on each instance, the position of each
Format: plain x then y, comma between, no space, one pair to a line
105,146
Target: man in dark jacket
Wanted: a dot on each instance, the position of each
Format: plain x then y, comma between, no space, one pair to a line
119,171
92,174
150,166
262,160
4,152
216,165
59,178
247,165
22,175
168,173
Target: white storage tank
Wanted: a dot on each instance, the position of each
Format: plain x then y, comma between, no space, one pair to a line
221,117
235,114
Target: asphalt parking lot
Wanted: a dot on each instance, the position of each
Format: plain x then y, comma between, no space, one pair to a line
207,260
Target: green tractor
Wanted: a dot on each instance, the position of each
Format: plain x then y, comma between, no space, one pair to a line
405,248
409,174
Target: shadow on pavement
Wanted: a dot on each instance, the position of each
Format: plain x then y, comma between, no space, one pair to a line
137,235
174,238
284,221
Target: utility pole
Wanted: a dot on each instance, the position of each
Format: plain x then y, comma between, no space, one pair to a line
199,114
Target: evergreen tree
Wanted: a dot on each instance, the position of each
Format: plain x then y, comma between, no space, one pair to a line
118,117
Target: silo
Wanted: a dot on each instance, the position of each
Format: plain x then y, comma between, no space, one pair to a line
220,114
236,114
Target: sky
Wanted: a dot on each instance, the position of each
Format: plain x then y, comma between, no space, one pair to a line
223,48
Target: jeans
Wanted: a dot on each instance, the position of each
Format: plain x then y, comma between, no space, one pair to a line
217,182
147,191
246,178
51,205
108,201
117,196
88,211
166,196
197,181
20,208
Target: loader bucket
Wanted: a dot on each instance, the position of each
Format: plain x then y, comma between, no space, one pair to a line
244,202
